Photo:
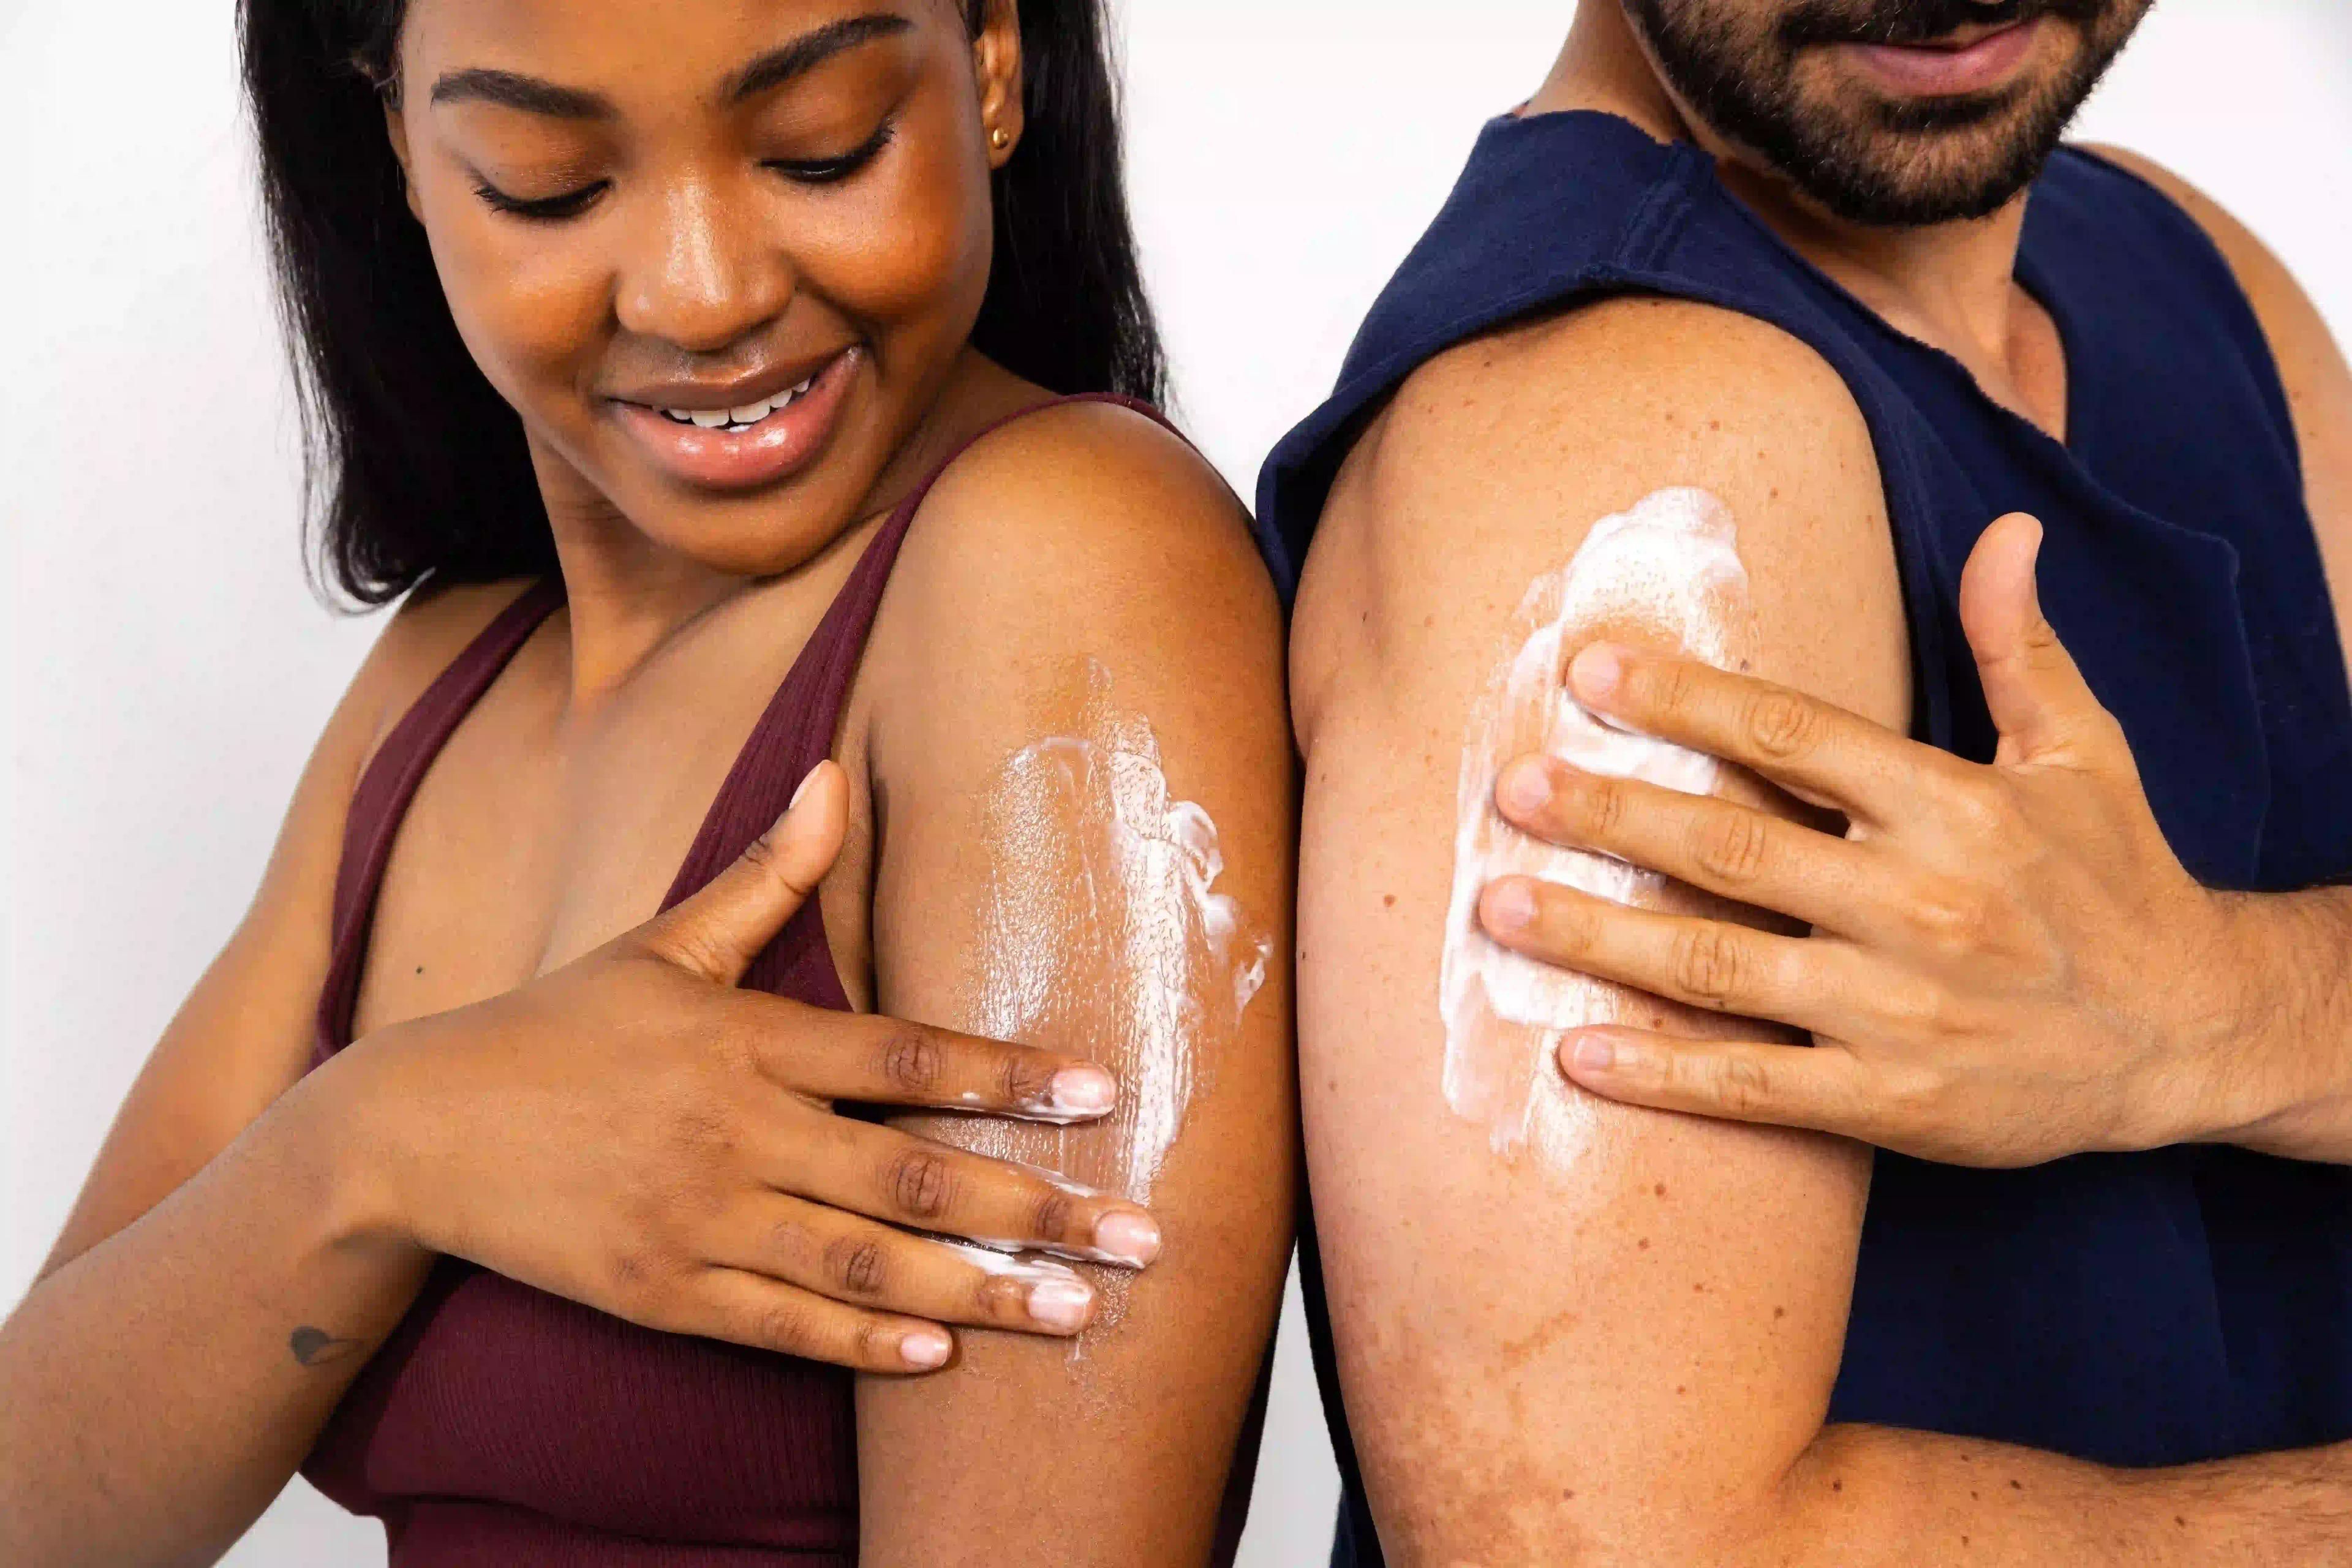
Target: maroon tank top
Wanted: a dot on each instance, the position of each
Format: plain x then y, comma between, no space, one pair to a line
501,1424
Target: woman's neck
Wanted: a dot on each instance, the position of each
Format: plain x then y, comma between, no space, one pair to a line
630,596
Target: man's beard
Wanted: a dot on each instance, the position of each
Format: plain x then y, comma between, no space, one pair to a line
1899,161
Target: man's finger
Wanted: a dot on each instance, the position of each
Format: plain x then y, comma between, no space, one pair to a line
1802,982
1720,846
1824,1088
1815,749
718,932
2032,687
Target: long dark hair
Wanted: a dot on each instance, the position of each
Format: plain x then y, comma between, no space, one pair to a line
418,469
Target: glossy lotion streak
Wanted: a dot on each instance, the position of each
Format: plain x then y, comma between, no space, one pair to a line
1665,574
1103,934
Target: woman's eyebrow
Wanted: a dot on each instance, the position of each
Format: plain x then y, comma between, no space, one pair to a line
807,52
535,95
512,89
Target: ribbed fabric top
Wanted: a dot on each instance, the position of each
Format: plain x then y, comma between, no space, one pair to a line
501,1424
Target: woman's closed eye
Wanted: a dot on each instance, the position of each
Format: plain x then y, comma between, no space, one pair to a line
543,209
826,171
820,171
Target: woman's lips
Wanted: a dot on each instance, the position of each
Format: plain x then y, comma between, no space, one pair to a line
775,448
1928,72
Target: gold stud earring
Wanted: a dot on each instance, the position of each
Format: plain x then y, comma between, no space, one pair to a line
1000,139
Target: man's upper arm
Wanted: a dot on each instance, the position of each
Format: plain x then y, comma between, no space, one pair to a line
1599,1326
1084,821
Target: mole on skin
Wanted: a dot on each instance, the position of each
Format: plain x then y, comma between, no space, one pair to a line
1664,574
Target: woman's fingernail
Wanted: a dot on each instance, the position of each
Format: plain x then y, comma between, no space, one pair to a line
1596,672
806,779
1128,1237
1082,1091
925,1348
1593,1053
1527,787
1510,906
1061,1303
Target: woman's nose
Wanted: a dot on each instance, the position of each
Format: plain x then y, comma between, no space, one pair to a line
703,273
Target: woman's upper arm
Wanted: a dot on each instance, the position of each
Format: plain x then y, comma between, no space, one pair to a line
1565,1330
1083,789
245,1032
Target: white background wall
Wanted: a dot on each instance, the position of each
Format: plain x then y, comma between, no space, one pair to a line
167,668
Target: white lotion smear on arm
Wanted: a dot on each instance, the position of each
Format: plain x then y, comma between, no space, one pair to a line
1665,574
1104,937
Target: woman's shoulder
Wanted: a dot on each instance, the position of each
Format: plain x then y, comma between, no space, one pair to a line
1088,505
1084,536
430,627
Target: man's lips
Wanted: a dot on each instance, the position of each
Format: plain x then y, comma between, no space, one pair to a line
1983,64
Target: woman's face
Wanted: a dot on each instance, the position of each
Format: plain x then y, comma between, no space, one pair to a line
721,256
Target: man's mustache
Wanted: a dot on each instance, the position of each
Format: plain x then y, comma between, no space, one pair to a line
1919,21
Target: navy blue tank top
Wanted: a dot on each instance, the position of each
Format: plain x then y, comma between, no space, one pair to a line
2135,1310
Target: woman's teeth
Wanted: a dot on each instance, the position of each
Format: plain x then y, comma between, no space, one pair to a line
737,418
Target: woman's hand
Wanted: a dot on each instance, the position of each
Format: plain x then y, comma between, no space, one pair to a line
2009,964
633,1133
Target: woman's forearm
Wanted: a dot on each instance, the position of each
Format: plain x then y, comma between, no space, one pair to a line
157,1391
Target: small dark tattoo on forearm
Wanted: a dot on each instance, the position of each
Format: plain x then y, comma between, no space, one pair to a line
316,1347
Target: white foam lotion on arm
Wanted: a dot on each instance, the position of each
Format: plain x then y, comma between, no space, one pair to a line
1666,574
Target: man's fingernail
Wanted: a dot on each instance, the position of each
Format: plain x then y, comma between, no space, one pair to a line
1510,906
1527,786
925,1348
1593,1053
1082,1091
1596,672
1128,1237
1060,1303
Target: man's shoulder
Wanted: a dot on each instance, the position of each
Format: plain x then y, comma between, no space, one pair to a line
2278,300
1494,457
1630,368
1611,398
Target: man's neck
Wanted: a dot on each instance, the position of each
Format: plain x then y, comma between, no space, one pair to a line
1952,286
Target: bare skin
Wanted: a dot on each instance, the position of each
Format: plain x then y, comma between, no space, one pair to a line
544,1085
1646,1383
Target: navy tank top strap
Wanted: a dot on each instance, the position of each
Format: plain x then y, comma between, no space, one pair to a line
381,799
800,726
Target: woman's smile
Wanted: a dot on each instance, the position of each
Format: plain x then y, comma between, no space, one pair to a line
741,435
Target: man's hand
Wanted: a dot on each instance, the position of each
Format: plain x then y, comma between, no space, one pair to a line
2009,963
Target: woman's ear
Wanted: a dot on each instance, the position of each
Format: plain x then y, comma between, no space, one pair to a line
996,63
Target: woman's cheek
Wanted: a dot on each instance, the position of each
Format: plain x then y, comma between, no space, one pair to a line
916,253
526,302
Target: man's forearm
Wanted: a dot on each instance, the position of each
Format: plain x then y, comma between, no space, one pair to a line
1888,1498
2282,1081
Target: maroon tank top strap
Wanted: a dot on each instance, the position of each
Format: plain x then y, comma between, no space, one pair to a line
381,800
799,728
